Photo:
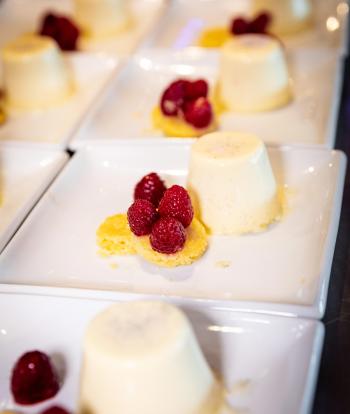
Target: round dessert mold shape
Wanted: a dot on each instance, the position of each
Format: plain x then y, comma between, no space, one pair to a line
253,74
35,74
144,357
232,183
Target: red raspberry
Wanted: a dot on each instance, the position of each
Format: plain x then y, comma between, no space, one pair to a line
55,410
168,236
141,216
150,188
199,113
239,26
260,23
177,203
33,379
196,89
61,29
173,97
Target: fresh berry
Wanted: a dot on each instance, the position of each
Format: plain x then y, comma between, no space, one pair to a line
151,188
168,236
261,23
196,89
61,29
239,26
55,410
141,216
199,113
173,97
33,379
176,203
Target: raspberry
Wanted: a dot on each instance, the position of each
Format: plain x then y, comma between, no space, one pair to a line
61,29
174,97
176,203
55,410
260,23
199,113
141,216
196,89
33,379
150,188
168,236
239,26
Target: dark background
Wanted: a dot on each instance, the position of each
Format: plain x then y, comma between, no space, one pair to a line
333,388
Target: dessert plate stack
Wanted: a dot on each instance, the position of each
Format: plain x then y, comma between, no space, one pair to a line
65,169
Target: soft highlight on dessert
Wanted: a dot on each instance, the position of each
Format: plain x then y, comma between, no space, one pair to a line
253,75
232,183
35,74
143,357
185,109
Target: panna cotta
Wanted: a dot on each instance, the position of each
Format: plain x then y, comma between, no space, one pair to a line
143,357
232,184
35,75
102,18
288,16
253,74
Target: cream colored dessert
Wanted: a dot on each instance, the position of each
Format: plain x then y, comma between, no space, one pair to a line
35,74
102,18
232,183
143,357
253,74
288,16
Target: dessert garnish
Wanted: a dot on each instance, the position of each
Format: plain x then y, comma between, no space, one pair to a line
56,409
176,203
259,24
62,29
34,378
214,37
165,233
184,109
168,236
142,214
151,187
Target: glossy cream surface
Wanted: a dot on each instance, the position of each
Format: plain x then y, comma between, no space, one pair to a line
253,74
102,18
35,75
143,357
232,184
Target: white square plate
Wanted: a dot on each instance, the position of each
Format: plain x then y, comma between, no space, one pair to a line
20,16
52,128
24,175
186,19
316,75
291,263
287,357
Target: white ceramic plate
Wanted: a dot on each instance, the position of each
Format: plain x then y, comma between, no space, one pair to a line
24,176
186,19
283,270
20,16
287,357
53,127
316,74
